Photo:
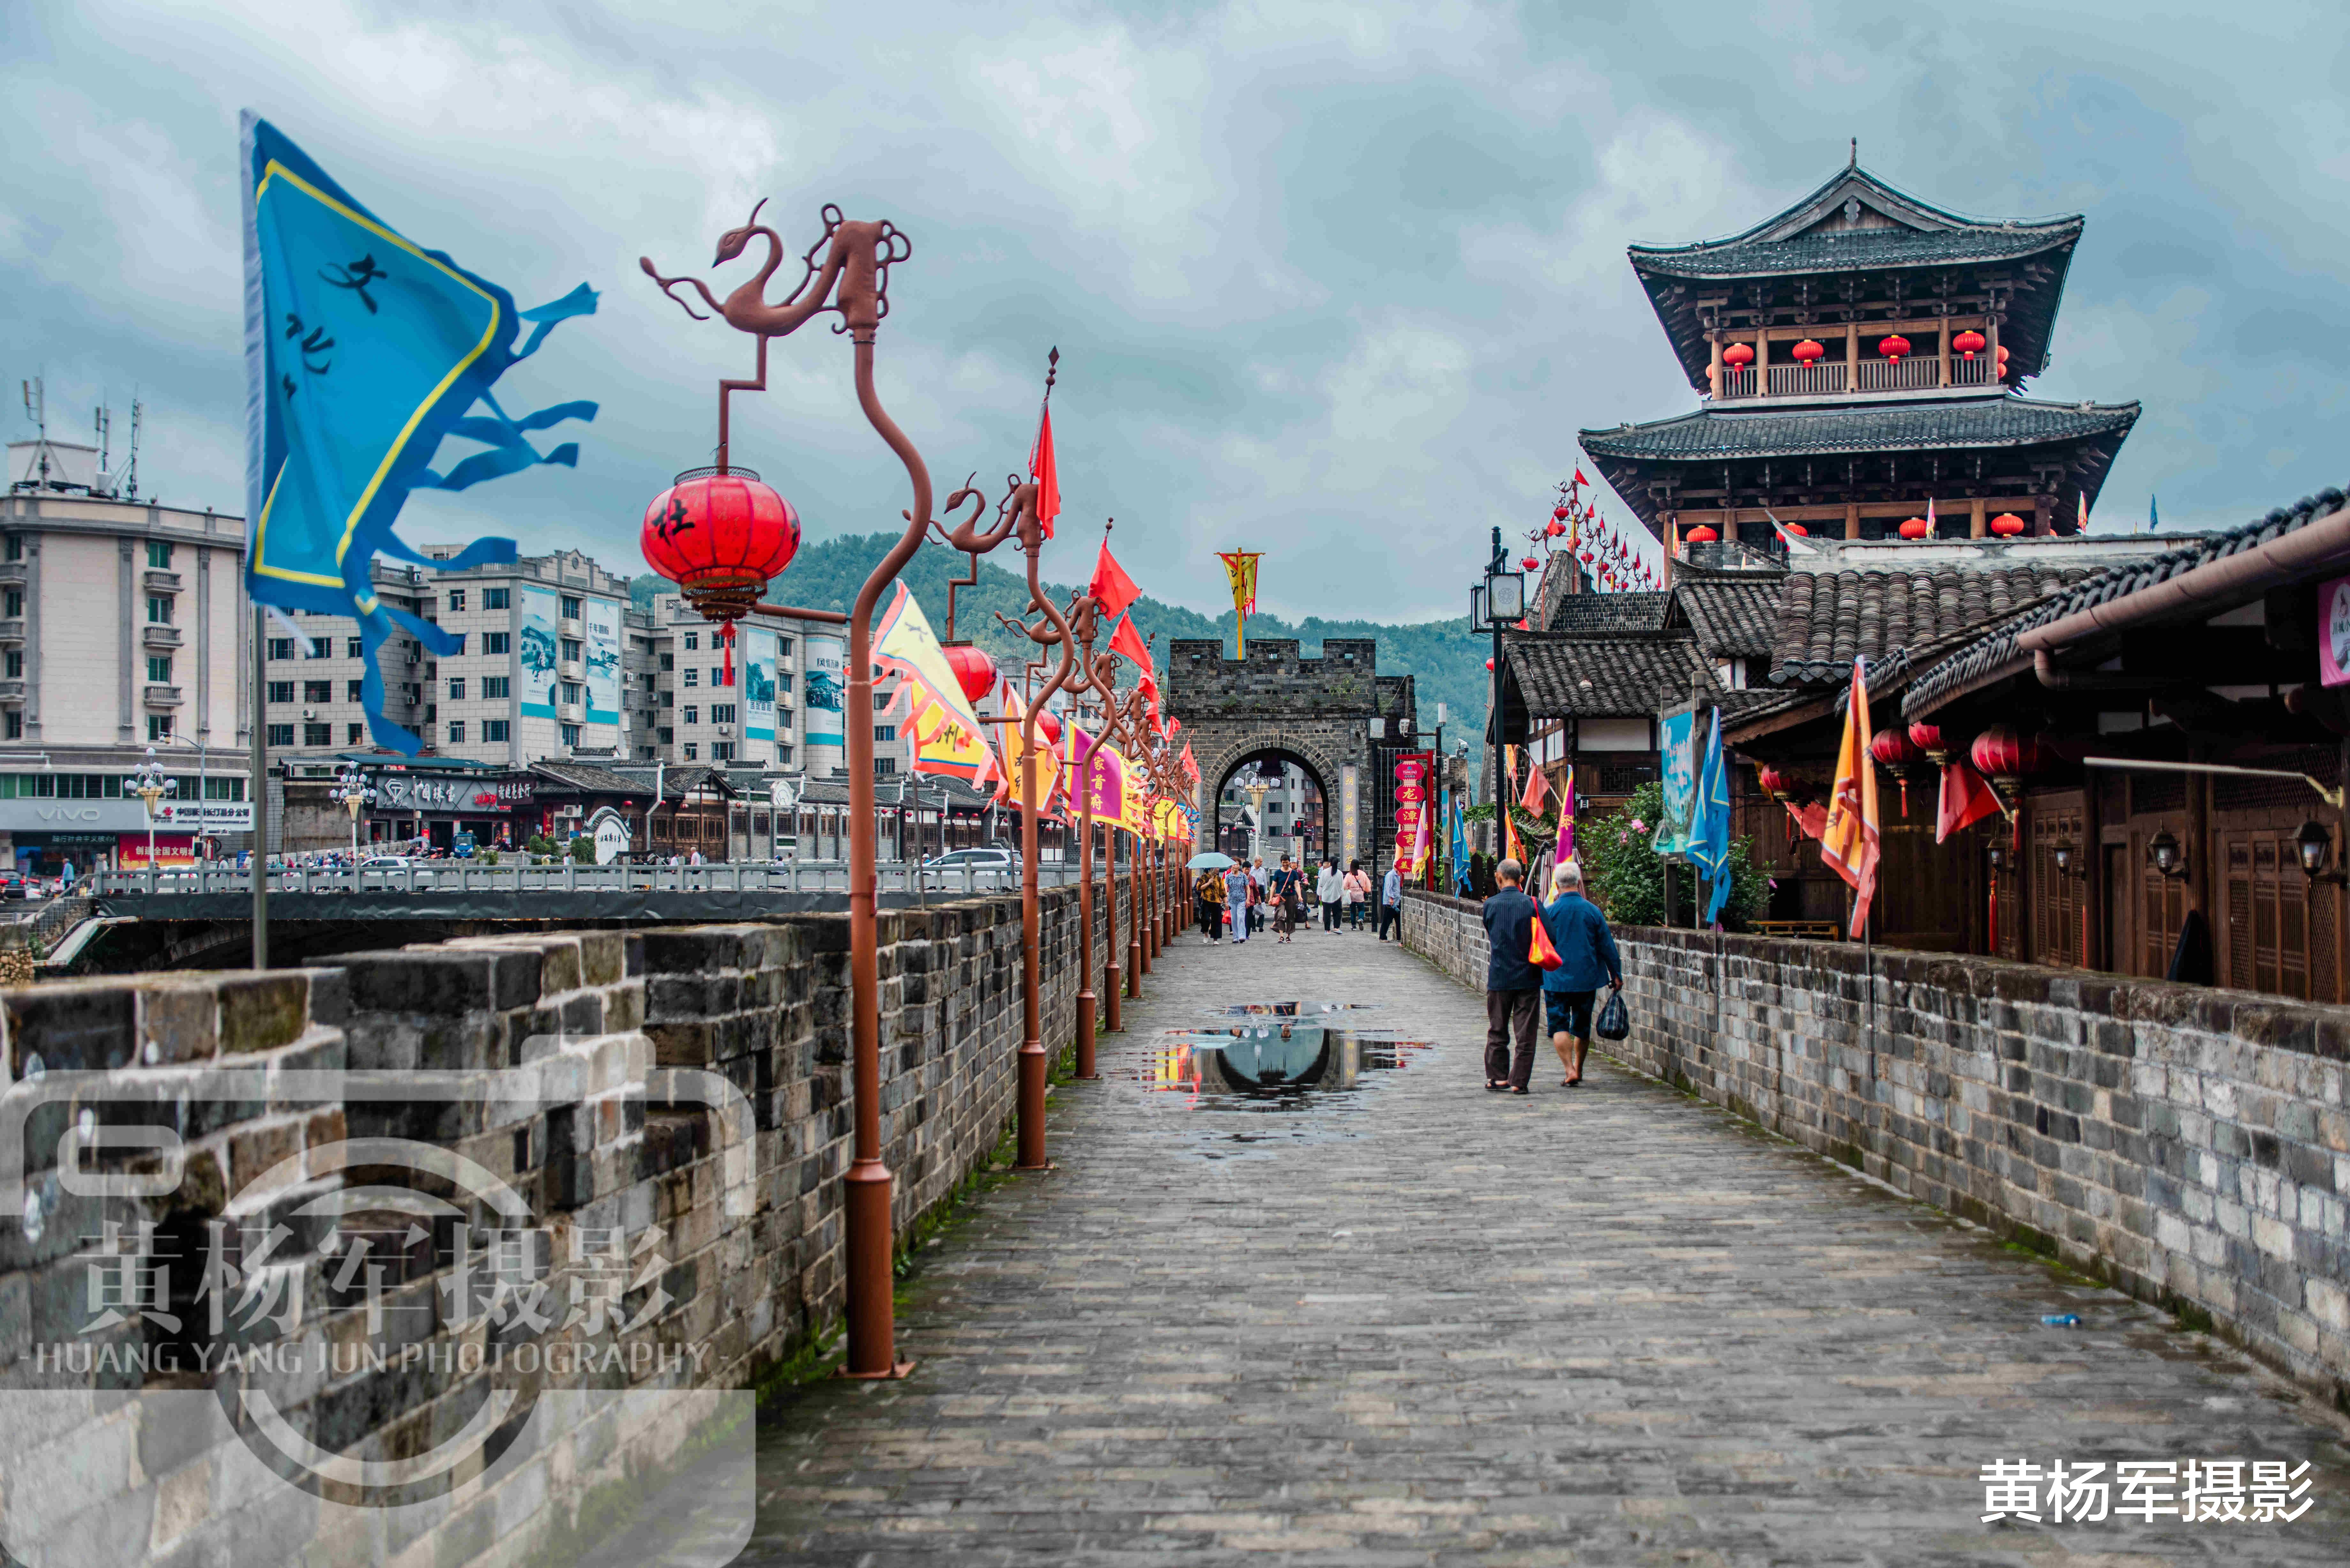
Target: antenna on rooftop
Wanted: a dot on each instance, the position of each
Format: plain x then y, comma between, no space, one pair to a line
130,486
103,423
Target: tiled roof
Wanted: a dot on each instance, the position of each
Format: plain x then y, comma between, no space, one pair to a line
1996,421
1734,615
1996,656
1828,618
1610,612
590,778
1601,675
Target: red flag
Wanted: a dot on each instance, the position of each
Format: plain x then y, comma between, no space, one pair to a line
1537,791
1128,642
1579,478
1966,800
1047,475
1111,588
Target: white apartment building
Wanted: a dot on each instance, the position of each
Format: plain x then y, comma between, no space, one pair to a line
539,675
123,624
785,710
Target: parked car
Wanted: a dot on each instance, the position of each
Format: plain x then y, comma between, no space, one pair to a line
386,864
989,859
12,885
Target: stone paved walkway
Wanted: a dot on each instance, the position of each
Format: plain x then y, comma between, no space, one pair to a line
1413,1323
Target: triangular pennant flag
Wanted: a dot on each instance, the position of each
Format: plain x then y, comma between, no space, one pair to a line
1966,800
1127,642
1047,473
1111,588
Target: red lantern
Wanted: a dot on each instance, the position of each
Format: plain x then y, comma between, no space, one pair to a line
1555,528
1489,667
2007,524
1798,529
1738,356
974,671
1893,348
1558,514
1532,563
1968,343
1807,352
1048,726
1892,747
2002,360
1702,535
1928,738
2000,752
1775,783
720,537
1913,529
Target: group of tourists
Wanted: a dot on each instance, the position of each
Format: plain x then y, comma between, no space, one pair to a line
1246,897
1557,975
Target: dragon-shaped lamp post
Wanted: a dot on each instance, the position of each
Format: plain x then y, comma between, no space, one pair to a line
1083,617
721,578
1124,720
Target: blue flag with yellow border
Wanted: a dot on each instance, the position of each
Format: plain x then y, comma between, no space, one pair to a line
363,350
1709,845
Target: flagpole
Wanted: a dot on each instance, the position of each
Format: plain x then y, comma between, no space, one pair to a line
258,788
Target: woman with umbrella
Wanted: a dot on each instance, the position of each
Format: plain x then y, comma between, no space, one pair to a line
1210,892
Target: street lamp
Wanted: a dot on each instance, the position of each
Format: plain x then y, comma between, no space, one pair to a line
148,783
353,794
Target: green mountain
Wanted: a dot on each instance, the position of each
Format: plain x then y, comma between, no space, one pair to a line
1449,662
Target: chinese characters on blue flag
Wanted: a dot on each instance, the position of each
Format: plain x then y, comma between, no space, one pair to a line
363,350
1709,846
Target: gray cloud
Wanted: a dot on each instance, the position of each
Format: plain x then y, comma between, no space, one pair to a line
1334,281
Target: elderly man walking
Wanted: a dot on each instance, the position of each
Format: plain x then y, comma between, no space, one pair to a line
1513,983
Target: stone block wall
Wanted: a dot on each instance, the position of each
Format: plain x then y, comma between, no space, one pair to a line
2190,1146
578,1072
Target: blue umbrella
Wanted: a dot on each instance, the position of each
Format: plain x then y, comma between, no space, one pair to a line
1211,861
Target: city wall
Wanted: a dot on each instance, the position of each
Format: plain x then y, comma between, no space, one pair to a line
2190,1146
674,1104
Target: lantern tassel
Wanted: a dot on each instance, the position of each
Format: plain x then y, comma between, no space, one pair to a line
729,677
1904,777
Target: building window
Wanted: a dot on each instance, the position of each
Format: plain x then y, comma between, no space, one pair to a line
354,733
722,712
281,735
13,605
570,734
15,547
354,647
494,642
570,606
159,555
456,599
718,675
322,648
782,681
493,687
494,598
317,691
722,751
645,753
494,730
692,641
885,766
14,664
693,678
456,732
158,669
15,715
457,692
784,645
281,691
281,648
318,735
458,652
889,732
693,714
668,736
355,690
570,691
159,608
669,699
569,652
691,750
783,756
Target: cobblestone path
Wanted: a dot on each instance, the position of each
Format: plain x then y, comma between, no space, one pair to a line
1413,1323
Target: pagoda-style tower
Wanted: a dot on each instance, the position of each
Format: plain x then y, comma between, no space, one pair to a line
1860,355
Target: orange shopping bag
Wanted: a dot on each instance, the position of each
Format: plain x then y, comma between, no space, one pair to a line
1541,950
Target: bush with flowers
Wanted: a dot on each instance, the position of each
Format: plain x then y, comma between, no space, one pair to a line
1625,877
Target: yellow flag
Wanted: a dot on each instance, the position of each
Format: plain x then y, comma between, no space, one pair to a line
1849,841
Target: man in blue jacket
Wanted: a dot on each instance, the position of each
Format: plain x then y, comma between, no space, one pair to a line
1512,984
1587,950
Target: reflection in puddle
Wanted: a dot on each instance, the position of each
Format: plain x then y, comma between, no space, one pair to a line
1285,1009
1306,1073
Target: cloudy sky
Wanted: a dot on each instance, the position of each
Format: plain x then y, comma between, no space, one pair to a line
1338,282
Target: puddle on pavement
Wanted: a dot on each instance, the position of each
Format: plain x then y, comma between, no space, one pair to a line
1290,1078
1285,1009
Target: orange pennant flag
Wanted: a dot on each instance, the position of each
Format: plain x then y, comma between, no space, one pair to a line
1126,641
1047,473
1537,791
1848,839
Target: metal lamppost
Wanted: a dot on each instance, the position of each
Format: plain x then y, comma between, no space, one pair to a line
1500,600
151,784
354,794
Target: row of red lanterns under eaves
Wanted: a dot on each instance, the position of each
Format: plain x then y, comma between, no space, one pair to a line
1811,351
2001,752
2007,525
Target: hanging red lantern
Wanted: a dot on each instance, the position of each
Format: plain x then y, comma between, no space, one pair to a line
720,537
1048,726
1558,514
1928,738
1893,348
1738,356
1532,563
2000,753
2007,524
1798,529
1913,529
2002,360
1808,352
974,671
1702,535
1892,747
1968,343
1489,667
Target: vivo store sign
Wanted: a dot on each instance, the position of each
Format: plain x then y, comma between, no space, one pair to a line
125,816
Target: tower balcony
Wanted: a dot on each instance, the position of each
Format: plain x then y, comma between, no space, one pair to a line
1852,360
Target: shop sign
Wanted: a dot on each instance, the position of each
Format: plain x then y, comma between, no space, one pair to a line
421,792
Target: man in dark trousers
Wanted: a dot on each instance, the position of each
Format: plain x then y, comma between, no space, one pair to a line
1513,1002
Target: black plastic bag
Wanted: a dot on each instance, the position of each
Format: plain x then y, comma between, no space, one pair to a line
1615,1018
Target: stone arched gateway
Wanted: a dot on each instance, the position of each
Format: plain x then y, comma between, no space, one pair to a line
1336,715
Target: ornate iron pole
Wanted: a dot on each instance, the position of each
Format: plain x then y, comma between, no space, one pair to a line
1084,623
853,281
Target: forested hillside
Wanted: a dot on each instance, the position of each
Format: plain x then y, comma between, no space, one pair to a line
1450,663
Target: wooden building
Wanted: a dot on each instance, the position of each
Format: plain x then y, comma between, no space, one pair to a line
1861,355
